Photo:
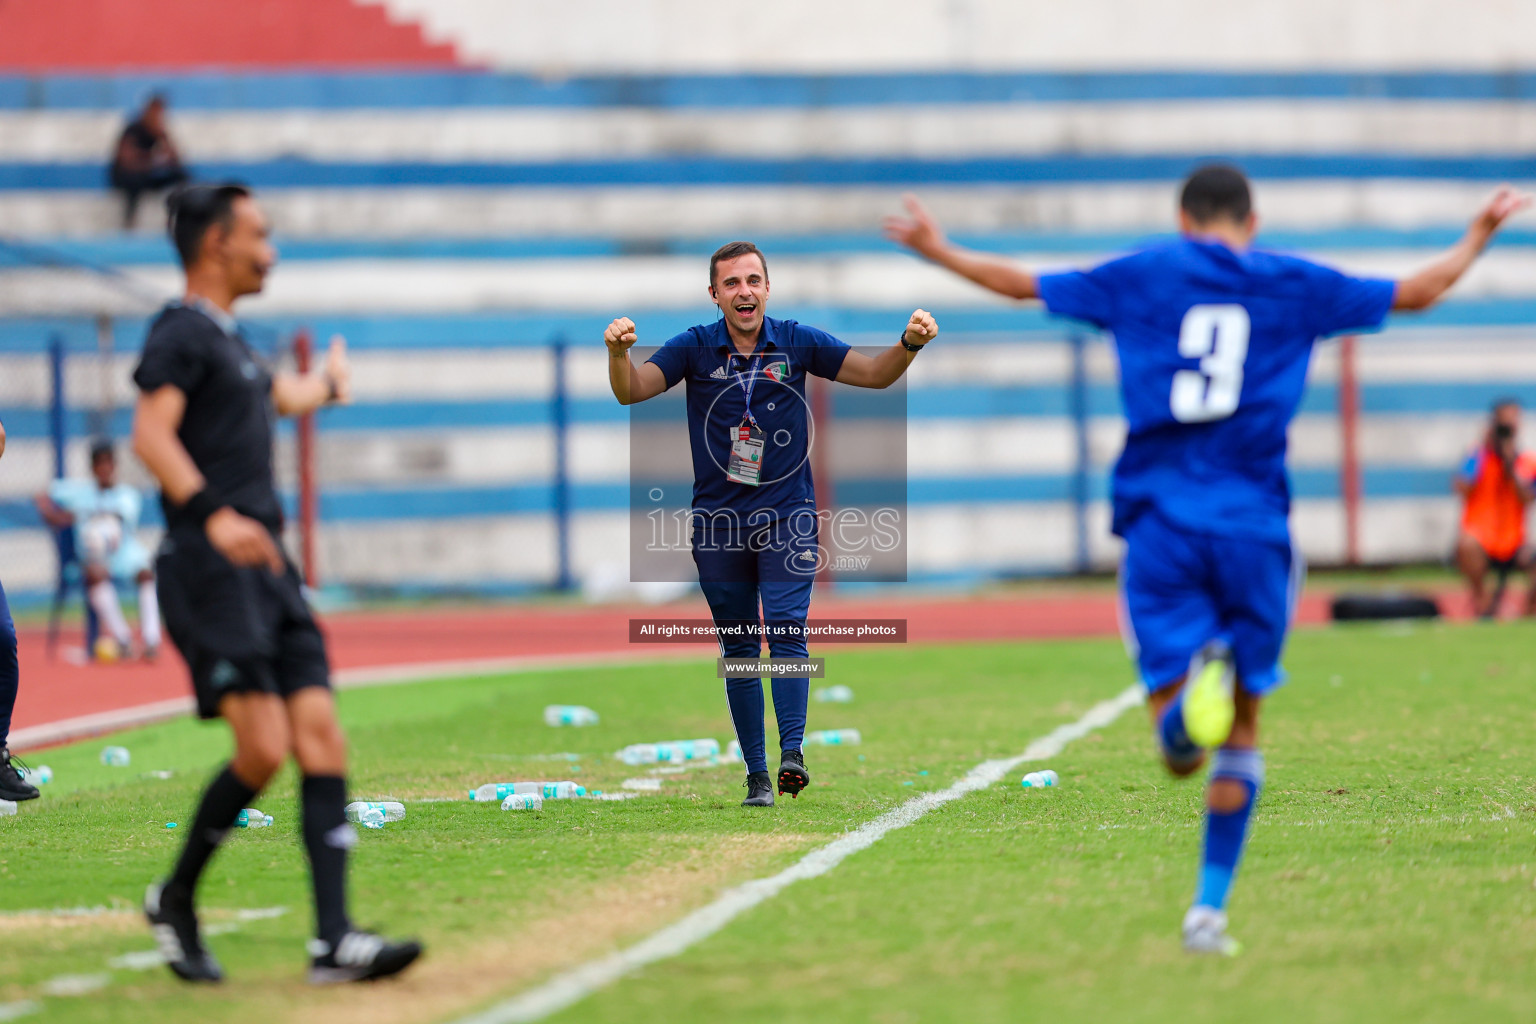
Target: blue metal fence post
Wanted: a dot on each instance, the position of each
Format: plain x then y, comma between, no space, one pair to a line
1083,475
58,425
560,417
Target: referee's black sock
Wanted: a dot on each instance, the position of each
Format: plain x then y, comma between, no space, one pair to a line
328,837
223,800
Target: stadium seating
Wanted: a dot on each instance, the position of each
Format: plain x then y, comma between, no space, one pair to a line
452,223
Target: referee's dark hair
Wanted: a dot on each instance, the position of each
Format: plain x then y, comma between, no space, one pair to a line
1216,192
731,250
192,210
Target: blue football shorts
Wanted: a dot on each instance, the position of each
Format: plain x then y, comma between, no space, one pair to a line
1180,589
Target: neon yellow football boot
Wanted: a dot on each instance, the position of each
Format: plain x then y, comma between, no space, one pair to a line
1208,696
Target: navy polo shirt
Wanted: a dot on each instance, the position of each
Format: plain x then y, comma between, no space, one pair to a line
786,351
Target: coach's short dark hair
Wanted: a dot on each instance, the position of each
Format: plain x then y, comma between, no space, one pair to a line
731,250
192,210
1216,192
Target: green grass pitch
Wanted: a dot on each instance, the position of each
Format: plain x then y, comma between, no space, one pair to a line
1391,873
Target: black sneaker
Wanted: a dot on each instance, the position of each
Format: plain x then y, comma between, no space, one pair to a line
359,956
792,774
174,923
12,785
759,790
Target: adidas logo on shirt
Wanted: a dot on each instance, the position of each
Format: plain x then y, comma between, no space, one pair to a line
719,373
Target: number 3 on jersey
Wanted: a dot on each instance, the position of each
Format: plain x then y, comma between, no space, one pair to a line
1218,337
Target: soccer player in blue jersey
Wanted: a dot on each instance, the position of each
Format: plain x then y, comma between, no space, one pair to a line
754,504
1213,338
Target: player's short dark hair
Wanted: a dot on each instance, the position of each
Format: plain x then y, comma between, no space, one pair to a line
1216,192
192,210
731,250
1508,401
101,448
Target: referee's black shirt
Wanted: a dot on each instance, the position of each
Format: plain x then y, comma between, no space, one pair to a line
227,428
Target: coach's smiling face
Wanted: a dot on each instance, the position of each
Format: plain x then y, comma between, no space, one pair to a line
741,290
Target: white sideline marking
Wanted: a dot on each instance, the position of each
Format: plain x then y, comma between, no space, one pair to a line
574,985
75,984
15,1011
383,675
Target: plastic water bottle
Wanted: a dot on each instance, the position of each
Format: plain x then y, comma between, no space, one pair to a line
117,757
835,695
566,790
7,807
1050,777
732,752
569,714
39,776
358,811
834,738
1039,780
252,818
523,802
670,752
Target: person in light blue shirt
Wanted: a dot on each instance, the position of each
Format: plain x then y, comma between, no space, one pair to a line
1214,337
105,517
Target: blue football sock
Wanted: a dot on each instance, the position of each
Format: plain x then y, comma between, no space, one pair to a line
1225,833
1177,746
9,674
745,696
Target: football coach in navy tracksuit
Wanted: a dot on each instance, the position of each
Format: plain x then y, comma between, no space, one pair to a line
754,505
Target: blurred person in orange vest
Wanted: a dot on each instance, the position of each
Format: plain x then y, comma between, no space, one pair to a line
1496,484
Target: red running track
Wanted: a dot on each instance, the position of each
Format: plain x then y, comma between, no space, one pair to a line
52,691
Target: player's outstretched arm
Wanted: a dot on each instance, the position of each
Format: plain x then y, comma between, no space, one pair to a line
295,394
2,439
919,232
630,383
886,369
1426,287
156,419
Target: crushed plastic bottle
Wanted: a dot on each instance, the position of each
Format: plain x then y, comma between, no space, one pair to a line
670,752
117,757
569,714
374,813
523,802
39,776
563,790
835,695
1039,780
833,738
252,818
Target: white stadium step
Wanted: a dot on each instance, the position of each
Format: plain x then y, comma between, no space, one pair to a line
517,135
642,212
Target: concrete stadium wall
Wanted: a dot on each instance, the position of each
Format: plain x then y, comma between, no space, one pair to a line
845,35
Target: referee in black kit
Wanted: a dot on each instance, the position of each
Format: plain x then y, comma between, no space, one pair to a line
232,601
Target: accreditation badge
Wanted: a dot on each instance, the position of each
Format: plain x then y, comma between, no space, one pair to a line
746,462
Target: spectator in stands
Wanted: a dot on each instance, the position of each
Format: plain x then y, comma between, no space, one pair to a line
1496,484
145,159
105,517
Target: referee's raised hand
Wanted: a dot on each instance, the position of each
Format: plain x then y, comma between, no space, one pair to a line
922,328
243,540
619,336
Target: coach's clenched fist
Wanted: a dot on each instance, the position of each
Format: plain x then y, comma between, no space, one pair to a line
619,336
922,328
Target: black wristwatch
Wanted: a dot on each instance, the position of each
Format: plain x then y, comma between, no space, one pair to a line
908,345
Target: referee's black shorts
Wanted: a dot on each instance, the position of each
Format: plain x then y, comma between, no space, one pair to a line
241,630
